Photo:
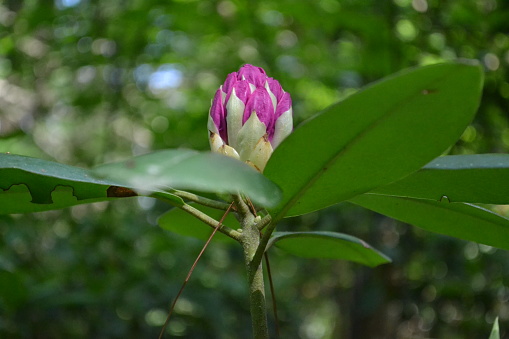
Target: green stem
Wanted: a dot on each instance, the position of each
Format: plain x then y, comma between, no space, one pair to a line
257,257
201,216
201,200
250,239
264,222
211,221
257,303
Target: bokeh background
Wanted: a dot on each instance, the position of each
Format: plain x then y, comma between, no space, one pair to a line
84,82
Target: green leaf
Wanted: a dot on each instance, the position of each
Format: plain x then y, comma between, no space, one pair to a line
374,137
33,185
328,245
459,220
495,332
192,170
478,178
181,222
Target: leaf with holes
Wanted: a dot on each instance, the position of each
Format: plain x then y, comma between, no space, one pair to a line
33,185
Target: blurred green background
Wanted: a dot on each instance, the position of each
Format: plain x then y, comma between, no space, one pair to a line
84,82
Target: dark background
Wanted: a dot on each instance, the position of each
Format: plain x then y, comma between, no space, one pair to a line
84,82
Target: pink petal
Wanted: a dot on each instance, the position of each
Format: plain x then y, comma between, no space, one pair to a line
217,112
275,88
261,103
229,82
283,105
255,75
242,90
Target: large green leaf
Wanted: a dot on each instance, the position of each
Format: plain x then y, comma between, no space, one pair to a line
374,137
181,222
192,170
328,245
32,185
479,178
459,220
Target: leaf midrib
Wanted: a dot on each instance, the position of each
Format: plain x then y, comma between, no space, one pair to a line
354,141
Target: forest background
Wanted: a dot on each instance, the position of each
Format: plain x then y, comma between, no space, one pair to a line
84,82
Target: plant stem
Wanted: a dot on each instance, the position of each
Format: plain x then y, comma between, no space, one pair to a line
201,200
250,239
257,257
201,216
211,221
264,222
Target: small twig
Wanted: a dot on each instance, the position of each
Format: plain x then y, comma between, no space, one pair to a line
242,207
201,200
191,271
251,206
201,216
264,222
211,221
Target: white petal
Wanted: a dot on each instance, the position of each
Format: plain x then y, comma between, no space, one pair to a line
284,126
215,142
261,154
235,108
228,151
249,135
272,96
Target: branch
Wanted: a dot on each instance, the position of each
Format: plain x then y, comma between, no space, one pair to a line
257,258
201,216
201,200
241,207
264,222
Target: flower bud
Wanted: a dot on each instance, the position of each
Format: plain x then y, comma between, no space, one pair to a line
250,116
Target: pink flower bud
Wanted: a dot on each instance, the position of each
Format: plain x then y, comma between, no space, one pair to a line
250,116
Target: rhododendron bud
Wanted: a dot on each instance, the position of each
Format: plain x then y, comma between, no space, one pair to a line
250,116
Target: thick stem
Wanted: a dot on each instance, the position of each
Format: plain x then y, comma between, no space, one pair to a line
257,304
250,239
257,257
